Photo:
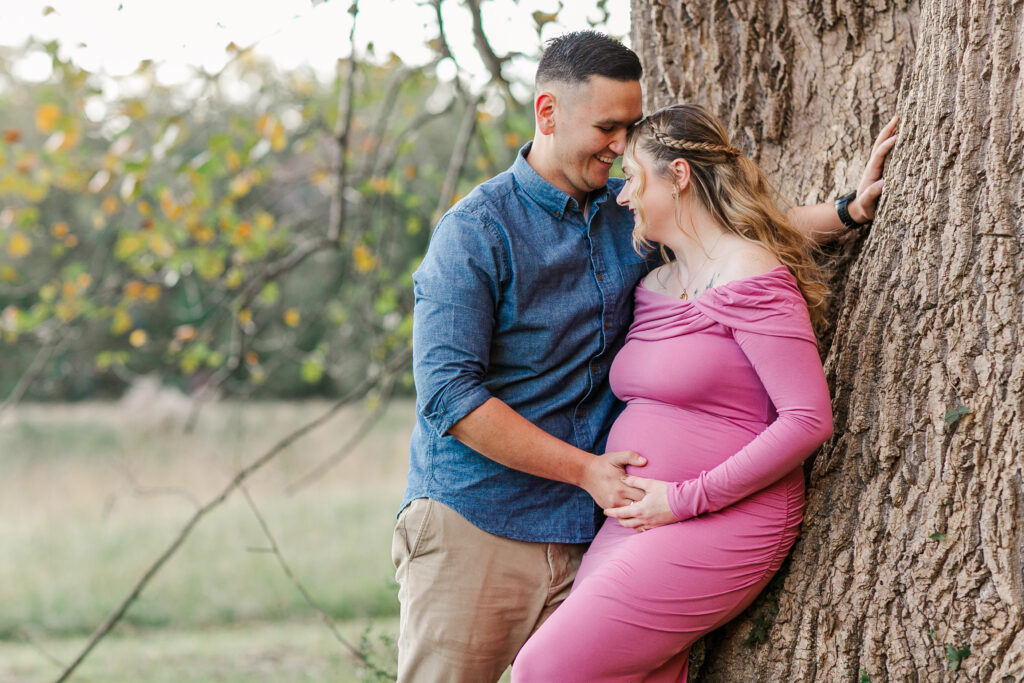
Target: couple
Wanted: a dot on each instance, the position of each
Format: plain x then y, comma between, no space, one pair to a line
539,307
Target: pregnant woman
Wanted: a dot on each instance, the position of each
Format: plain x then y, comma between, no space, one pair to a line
725,397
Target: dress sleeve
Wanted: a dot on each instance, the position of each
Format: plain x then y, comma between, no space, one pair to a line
791,373
457,288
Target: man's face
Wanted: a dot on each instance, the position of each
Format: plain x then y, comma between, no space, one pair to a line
590,122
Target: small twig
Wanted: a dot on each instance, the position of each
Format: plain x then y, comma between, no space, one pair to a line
114,617
458,158
49,656
483,47
353,440
34,370
275,550
339,205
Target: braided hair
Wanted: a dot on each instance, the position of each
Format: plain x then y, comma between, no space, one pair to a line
731,187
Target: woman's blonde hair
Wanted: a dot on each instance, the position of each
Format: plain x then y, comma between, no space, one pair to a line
730,186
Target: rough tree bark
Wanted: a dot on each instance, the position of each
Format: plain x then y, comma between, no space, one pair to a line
914,532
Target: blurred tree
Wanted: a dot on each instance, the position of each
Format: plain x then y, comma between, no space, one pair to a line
254,238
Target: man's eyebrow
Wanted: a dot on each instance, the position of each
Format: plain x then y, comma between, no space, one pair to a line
615,122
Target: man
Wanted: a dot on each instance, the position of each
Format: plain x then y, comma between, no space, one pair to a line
522,300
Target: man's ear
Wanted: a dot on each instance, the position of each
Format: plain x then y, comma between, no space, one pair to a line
681,172
544,110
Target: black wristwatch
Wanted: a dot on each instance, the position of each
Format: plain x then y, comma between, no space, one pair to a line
844,212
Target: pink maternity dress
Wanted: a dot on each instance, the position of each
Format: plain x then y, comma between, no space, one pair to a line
725,397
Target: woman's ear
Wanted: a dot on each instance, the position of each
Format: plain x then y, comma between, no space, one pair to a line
681,173
544,109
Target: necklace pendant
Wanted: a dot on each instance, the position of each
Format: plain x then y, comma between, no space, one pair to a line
683,296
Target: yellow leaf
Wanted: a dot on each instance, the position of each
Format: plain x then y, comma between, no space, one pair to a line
252,358
46,117
8,274
277,138
171,208
68,290
133,290
380,185
83,281
19,245
152,292
204,235
291,317
185,333
512,139
121,323
145,208
60,229
363,258
137,338
233,279
161,246
71,241
109,205
66,310
245,317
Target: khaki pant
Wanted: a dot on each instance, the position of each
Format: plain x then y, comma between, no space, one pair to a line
470,599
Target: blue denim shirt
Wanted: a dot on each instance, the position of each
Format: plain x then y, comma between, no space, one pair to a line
519,297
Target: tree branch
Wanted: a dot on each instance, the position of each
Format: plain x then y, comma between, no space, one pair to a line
111,621
34,370
458,158
321,468
492,61
339,206
275,549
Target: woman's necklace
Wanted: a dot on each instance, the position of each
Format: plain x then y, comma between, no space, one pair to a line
686,284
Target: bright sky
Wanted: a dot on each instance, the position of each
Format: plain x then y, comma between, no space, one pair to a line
187,34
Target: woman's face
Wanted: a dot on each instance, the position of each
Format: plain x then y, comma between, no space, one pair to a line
649,195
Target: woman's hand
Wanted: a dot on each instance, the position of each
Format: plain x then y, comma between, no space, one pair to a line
650,511
862,208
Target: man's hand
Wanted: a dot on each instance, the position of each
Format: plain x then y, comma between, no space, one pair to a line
604,479
862,209
650,511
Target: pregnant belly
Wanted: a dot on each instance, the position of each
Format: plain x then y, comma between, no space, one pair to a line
679,444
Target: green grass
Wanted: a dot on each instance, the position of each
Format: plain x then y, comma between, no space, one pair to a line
93,493
253,651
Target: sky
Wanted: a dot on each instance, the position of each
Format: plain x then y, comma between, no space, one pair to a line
181,36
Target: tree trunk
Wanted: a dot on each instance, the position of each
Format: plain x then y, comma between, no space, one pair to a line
912,548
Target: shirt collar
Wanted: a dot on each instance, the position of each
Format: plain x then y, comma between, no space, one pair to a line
556,202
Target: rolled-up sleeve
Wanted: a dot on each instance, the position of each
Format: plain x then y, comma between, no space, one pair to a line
457,293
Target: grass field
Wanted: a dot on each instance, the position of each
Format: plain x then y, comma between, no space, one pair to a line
92,493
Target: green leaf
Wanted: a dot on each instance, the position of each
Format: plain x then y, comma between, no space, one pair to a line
954,414
864,678
937,537
312,370
270,293
933,635
956,655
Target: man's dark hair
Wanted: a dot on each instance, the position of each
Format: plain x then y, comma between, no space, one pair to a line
575,57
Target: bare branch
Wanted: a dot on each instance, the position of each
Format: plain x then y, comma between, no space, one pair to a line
483,47
458,158
398,361
339,205
353,440
34,370
389,155
275,549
